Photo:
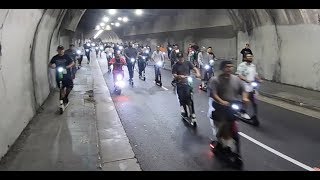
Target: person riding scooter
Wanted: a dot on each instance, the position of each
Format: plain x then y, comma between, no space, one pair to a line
117,63
181,71
248,74
206,67
225,89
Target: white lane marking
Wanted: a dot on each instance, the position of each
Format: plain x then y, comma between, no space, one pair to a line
277,152
162,86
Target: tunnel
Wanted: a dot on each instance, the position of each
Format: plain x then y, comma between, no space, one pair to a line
284,43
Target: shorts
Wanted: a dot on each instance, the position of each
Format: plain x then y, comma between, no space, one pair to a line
67,82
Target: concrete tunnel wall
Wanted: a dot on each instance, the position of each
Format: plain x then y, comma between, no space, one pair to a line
28,40
284,41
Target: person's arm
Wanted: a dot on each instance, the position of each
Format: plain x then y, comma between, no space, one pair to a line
196,70
52,63
70,62
200,59
214,93
152,56
257,76
124,62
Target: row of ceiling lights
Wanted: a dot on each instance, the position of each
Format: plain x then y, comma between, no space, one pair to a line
103,26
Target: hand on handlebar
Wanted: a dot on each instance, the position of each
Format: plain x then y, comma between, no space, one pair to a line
225,103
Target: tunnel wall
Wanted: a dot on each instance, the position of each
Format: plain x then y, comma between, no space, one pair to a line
28,39
205,27
284,43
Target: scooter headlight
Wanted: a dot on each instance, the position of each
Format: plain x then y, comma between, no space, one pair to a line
120,84
88,44
119,77
147,52
101,48
97,48
254,84
93,44
206,66
177,50
120,47
190,79
159,63
87,50
143,57
78,52
235,107
170,48
60,69
118,52
132,59
211,61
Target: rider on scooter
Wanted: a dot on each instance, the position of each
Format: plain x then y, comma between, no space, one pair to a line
247,72
157,57
117,63
141,63
203,61
180,71
63,60
224,88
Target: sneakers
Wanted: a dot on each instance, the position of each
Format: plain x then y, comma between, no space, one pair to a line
182,110
245,115
193,119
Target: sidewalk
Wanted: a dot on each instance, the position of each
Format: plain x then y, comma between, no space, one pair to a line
294,95
89,135
54,142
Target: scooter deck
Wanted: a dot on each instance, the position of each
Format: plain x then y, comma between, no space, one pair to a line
188,120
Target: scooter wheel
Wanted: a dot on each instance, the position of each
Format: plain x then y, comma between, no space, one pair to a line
160,84
119,92
144,78
60,110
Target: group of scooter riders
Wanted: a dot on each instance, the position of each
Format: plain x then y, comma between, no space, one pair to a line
229,94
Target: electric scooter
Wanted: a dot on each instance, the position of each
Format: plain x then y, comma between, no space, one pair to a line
228,146
189,107
143,77
61,72
158,73
119,83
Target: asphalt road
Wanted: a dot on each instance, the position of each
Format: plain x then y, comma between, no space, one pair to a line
161,141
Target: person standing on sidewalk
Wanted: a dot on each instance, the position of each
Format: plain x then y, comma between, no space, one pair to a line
246,71
246,50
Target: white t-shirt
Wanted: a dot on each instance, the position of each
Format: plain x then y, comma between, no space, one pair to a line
249,72
157,56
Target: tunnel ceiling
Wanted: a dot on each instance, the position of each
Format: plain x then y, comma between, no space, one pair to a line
93,17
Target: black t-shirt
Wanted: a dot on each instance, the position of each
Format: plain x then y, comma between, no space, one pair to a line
131,52
182,68
62,61
246,51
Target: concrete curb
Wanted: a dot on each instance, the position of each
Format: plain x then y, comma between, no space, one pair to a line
115,151
290,101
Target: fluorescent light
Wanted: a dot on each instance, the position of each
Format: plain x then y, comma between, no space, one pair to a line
102,24
112,11
98,33
125,19
117,24
105,19
120,18
138,12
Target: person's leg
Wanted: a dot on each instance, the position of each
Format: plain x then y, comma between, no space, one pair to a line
155,73
130,70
